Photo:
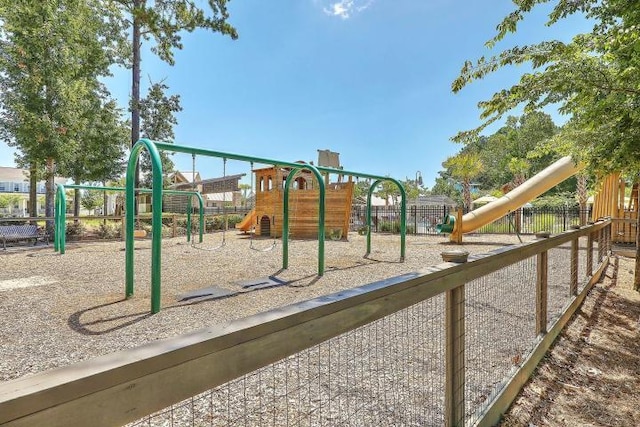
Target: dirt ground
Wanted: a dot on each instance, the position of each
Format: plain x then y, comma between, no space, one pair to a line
591,376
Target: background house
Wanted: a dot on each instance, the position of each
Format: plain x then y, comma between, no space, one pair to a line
14,192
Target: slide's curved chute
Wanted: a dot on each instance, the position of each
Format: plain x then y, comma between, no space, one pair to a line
247,221
536,185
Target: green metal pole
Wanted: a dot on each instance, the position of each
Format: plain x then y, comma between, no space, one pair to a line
403,215
189,219
369,195
56,220
156,226
321,217
62,221
199,196
403,220
285,218
58,214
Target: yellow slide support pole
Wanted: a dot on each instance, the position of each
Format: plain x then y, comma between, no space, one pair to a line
456,235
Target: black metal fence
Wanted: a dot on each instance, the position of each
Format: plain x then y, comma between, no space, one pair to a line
423,219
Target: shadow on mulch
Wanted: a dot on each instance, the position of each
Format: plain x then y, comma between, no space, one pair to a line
592,373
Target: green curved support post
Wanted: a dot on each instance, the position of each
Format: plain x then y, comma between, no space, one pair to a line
201,202
189,219
369,195
403,219
156,221
403,215
321,217
60,222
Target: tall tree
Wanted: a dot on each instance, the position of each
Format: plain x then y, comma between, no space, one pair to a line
412,189
91,199
517,139
51,56
157,112
464,167
245,188
519,168
594,77
388,190
163,20
99,157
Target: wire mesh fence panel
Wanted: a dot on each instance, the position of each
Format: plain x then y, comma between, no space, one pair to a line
387,373
530,220
499,330
583,274
558,281
595,249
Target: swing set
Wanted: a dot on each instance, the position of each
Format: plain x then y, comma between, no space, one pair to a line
153,148
60,209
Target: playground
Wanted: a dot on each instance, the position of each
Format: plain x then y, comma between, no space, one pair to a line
90,303
71,307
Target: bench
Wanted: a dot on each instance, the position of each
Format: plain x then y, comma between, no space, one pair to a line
19,232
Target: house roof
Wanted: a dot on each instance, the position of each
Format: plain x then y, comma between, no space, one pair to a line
8,174
220,197
433,200
179,177
13,174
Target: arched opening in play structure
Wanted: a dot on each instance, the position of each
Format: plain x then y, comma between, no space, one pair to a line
265,226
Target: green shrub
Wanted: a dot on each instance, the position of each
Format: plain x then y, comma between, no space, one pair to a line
109,231
394,227
386,227
556,201
217,222
75,229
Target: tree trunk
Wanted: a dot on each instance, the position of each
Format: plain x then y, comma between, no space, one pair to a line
33,190
76,203
50,194
135,90
105,200
636,276
582,197
466,195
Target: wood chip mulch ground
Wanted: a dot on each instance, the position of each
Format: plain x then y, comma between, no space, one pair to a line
591,376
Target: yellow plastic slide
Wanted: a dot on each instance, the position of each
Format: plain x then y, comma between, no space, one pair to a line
246,222
529,190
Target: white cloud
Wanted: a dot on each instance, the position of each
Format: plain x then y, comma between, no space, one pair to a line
346,8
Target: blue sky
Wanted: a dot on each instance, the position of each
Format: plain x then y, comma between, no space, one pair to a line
369,79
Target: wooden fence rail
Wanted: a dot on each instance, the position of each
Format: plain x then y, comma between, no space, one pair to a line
123,387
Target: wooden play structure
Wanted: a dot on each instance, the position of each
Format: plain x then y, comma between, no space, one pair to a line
610,201
266,218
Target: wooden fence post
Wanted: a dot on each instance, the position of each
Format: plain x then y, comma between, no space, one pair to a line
174,226
454,380
541,293
573,287
589,255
